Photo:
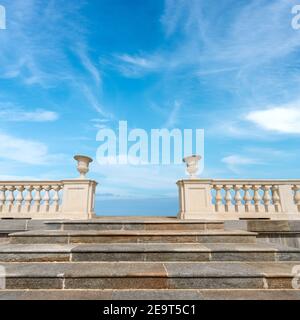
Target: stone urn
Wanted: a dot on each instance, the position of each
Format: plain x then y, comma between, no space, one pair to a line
192,165
83,163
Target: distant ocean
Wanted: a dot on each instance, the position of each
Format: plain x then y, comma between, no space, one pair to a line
137,207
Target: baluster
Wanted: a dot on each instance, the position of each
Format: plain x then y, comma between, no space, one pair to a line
276,198
256,197
37,198
228,197
28,198
297,196
237,198
218,198
247,198
46,198
55,205
19,198
2,197
266,197
10,198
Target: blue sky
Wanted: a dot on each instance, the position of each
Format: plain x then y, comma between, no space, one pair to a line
68,68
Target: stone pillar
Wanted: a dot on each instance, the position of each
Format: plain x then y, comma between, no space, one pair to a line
78,199
195,201
287,201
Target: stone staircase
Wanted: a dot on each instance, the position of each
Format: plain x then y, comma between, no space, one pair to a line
150,258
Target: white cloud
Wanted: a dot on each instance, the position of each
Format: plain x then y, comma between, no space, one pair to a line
18,114
234,162
24,150
285,119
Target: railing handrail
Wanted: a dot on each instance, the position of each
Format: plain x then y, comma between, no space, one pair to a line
41,182
242,181
24,182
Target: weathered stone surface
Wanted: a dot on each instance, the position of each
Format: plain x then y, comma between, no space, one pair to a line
288,256
150,294
140,247
274,226
211,269
280,282
272,269
156,294
89,269
30,248
267,226
286,239
56,294
151,223
216,283
133,236
140,256
34,283
242,256
158,259
117,283
34,257
250,294
13,225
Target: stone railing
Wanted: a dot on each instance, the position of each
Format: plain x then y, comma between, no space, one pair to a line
236,199
65,199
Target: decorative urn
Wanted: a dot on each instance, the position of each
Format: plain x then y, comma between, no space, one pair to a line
192,165
83,163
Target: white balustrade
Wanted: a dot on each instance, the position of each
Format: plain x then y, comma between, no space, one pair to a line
209,199
65,199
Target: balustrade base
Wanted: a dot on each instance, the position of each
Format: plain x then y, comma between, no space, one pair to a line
237,216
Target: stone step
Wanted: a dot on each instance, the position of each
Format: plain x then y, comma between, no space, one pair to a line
147,252
273,226
154,295
149,275
137,224
133,236
14,225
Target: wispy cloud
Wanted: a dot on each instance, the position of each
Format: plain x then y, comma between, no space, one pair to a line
94,100
173,117
89,65
134,66
36,58
35,50
234,162
25,150
137,61
9,112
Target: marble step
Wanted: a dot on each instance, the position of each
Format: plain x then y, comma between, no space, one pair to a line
149,275
14,225
150,294
136,224
133,236
273,226
147,252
